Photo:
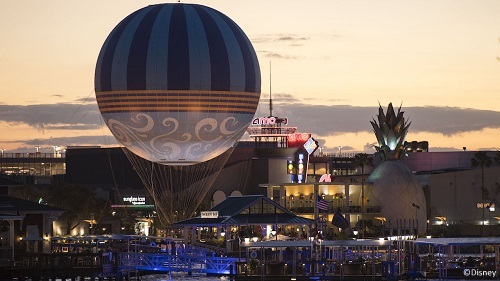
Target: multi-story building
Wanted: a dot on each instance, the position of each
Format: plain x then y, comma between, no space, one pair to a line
451,185
33,167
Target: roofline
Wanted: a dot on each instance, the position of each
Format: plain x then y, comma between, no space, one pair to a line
328,243
257,196
11,217
460,241
265,185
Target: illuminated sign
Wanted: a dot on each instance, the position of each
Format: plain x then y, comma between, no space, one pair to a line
264,121
296,140
209,214
326,178
486,206
269,121
135,200
300,171
311,145
290,167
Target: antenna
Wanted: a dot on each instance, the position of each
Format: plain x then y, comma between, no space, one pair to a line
270,96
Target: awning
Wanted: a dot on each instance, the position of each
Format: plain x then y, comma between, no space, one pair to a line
459,241
328,243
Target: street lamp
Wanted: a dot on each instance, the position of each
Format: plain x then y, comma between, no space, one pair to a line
223,235
355,232
340,150
3,150
417,207
55,147
38,148
247,236
273,231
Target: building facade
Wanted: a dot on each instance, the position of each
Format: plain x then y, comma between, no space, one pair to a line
451,185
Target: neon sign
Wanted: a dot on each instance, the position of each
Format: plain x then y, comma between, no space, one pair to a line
135,200
300,172
271,120
326,178
295,140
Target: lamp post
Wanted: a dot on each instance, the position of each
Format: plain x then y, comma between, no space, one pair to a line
3,150
55,147
274,230
417,207
223,234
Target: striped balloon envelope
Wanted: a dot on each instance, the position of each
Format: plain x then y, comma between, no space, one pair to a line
177,84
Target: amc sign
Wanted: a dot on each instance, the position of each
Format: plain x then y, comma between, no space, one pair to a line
262,121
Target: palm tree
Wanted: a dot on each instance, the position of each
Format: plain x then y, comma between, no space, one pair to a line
481,159
497,157
363,160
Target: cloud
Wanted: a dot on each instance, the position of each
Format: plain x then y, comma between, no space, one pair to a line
320,120
339,119
285,99
90,99
369,146
74,140
48,143
277,55
52,116
282,97
292,38
271,38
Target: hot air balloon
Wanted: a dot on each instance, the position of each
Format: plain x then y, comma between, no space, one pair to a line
177,85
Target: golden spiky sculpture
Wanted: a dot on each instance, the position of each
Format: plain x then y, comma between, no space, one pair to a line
392,185
391,132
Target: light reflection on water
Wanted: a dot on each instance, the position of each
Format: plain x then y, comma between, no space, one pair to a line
183,276
203,277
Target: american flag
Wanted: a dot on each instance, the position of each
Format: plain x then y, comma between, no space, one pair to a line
321,203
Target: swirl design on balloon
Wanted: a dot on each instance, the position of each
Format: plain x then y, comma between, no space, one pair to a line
164,139
131,135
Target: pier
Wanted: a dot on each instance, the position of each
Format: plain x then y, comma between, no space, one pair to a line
381,259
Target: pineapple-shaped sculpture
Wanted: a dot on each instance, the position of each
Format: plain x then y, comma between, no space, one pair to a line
392,185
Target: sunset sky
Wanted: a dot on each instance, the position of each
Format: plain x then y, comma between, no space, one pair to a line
333,62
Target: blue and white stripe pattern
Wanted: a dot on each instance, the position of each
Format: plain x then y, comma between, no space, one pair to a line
177,83
177,47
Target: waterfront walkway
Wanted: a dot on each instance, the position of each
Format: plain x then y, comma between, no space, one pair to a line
118,266
188,262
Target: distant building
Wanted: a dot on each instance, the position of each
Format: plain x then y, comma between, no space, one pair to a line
450,184
25,226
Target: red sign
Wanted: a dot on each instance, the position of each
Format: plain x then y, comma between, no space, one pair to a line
295,140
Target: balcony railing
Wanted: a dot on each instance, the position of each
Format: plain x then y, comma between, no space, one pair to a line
345,209
359,209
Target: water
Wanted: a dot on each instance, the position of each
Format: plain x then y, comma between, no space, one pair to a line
183,276
202,277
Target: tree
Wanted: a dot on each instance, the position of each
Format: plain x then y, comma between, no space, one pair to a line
363,160
79,202
497,157
482,160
